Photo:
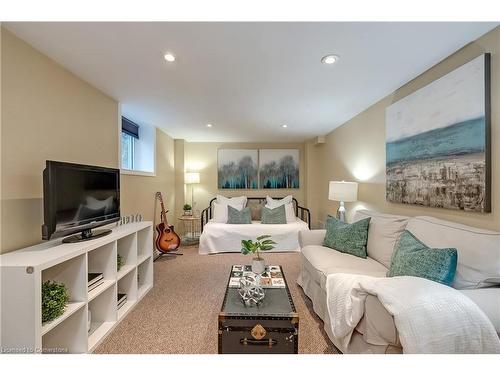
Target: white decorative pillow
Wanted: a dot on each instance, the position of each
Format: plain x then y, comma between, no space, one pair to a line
232,201
220,211
273,203
287,201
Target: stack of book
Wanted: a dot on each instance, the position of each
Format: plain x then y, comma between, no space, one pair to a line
121,299
94,280
272,277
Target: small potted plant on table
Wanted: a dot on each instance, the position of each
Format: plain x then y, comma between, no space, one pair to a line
187,209
262,243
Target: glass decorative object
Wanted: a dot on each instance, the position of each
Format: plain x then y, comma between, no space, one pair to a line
250,291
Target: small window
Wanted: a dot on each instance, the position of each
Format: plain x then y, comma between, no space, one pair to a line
127,151
137,148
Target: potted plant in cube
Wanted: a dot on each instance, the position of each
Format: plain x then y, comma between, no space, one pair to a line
55,297
262,243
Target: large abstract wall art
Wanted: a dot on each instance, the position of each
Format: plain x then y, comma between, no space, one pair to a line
438,142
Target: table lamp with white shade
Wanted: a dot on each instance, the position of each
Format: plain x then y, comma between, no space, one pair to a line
191,178
342,191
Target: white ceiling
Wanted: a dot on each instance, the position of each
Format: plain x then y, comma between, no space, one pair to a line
247,79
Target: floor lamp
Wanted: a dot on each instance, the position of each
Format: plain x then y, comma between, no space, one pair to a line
192,178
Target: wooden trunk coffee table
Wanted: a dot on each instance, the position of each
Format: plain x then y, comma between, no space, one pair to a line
272,327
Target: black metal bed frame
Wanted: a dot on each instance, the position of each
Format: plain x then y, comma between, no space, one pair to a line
305,214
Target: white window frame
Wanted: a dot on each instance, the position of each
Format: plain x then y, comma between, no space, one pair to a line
132,150
133,172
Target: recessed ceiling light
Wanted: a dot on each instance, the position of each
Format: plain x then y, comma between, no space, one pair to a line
169,57
209,125
284,126
329,59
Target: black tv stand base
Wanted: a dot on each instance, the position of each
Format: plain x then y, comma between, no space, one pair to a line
87,235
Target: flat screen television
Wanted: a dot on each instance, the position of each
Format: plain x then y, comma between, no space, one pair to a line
79,198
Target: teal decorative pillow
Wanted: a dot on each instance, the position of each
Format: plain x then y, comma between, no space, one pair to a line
273,216
347,238
413,258
239,217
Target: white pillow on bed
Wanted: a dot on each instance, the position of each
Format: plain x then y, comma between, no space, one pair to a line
232,201
220,211
287,201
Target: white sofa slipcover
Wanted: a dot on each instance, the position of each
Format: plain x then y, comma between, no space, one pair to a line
478,256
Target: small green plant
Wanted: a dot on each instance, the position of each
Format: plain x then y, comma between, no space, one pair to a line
55,297
262,243
187,207
119,262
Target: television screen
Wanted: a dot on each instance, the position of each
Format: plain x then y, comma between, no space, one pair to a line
79,197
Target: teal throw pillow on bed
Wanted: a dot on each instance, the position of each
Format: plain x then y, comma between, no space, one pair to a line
347,238
239,217
273,216
413,258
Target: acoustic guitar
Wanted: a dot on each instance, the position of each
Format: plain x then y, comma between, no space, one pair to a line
166,240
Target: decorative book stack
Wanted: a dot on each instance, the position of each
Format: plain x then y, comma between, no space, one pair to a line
270,278
121,299
94,280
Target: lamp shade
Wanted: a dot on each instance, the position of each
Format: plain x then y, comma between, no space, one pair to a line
192,178
343,191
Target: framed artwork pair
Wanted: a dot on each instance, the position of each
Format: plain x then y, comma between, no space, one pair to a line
258,168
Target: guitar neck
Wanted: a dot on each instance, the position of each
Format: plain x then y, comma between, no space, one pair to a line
163,213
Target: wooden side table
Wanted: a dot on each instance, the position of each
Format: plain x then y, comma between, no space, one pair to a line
190,229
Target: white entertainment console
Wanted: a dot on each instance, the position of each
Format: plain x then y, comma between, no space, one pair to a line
24,271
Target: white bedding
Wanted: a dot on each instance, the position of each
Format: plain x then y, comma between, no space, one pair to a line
429,317
226,238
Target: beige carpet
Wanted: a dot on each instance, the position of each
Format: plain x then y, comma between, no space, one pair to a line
179,315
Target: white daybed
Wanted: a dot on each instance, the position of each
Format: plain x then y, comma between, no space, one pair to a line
224,238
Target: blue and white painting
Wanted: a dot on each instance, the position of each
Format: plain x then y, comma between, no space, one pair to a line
279,168
437,142
237,169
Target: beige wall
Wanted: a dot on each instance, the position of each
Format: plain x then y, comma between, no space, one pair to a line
1,138
137,193
202,157
356,150
179,176
47,113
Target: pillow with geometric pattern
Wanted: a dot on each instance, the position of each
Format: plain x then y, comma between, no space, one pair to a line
347,238
273,216
243,216
413,258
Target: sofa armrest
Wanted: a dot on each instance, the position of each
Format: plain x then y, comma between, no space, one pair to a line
488,300
311,237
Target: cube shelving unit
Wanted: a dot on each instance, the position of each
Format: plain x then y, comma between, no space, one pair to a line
23,272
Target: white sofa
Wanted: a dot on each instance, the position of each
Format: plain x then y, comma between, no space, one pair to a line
477,276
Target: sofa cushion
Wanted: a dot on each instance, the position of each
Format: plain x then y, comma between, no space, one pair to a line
413,258
325,261
383,233
478,249
347,238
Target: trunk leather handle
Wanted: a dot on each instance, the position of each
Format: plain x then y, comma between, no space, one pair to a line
268,342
